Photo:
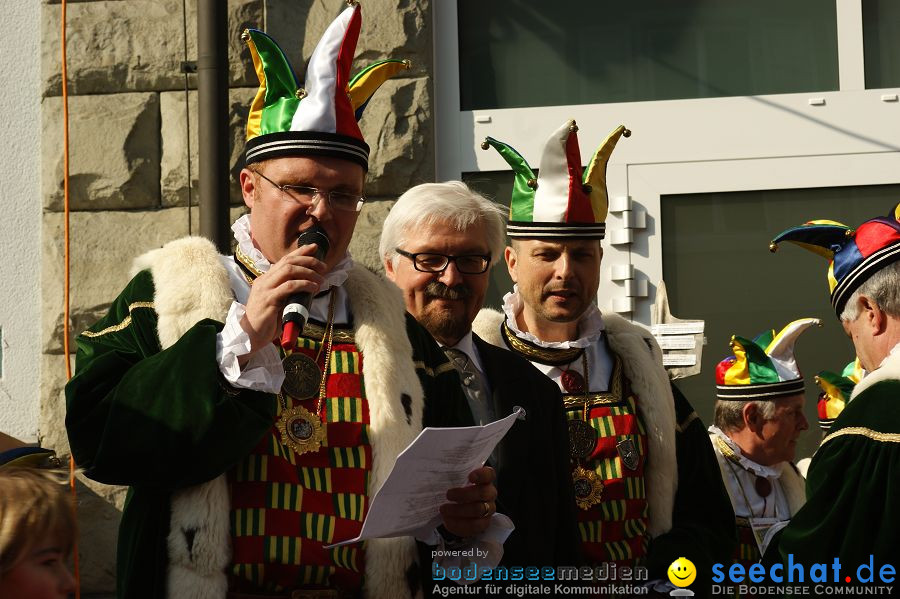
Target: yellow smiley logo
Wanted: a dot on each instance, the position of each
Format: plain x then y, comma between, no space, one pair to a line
682,572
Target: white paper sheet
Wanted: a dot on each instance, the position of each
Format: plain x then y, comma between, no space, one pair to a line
437,460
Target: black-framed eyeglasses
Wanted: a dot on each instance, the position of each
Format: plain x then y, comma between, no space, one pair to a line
467,264
305,196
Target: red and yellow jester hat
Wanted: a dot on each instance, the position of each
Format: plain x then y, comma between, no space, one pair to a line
853,256
836,392
563,200
764,368
318,119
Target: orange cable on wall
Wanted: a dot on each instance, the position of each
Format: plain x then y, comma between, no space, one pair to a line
65,103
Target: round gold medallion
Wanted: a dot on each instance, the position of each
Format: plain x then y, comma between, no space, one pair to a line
301,430
301,376
582,439
588,487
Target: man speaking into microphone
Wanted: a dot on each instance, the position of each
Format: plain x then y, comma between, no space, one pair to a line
296,312
245,459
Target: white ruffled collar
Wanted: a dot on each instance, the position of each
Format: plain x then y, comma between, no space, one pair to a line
743,461
241,228
591,321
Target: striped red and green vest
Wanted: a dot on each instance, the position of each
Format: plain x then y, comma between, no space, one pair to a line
286,507
615,530
747,551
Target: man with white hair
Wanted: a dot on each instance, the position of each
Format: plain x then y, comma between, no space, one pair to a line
758,419
852,483
438,244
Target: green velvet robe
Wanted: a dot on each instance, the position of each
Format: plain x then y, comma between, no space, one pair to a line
853,484
163,420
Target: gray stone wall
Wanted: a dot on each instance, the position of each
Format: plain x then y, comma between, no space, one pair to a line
129,184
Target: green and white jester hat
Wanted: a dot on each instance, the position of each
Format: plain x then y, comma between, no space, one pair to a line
320,118
764,368
563,200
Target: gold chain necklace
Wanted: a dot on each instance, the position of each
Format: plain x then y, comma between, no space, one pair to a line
582,441
300,429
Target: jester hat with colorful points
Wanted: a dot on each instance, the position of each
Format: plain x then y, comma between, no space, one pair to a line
836,391
853,255
320,118
563,200
764,368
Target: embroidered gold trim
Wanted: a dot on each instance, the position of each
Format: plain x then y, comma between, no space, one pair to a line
544,355
613,396
432,372
314,331
726,451
682,426
592,399
247,261
863,432
122,325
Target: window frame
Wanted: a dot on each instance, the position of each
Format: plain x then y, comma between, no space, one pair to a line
821,139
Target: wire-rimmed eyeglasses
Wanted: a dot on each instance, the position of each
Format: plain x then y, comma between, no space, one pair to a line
467,264
305,196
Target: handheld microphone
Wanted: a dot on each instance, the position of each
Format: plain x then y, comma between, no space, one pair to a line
296,312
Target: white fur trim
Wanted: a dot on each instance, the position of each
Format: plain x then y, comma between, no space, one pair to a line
180,268
184,266
642,364
487,326
380,332
889,370
197,570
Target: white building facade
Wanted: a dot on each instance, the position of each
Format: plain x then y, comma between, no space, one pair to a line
747,118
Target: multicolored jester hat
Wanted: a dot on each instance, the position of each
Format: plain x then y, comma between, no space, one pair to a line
563,200
320,118
836,391
853,255
764,368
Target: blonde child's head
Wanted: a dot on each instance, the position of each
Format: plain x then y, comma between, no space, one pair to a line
37,529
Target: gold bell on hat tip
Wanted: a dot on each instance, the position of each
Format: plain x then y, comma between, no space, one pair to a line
245,35
572,126
407,63
850,233
532,183
300,93
485,145
626,133
352,2
773,247
586,188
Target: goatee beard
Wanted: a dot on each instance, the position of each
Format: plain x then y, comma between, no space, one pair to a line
441,323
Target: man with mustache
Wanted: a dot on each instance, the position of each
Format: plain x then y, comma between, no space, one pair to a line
646,483
246,458
438,244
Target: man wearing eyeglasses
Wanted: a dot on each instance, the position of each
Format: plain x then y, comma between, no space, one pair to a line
438,244
244,464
